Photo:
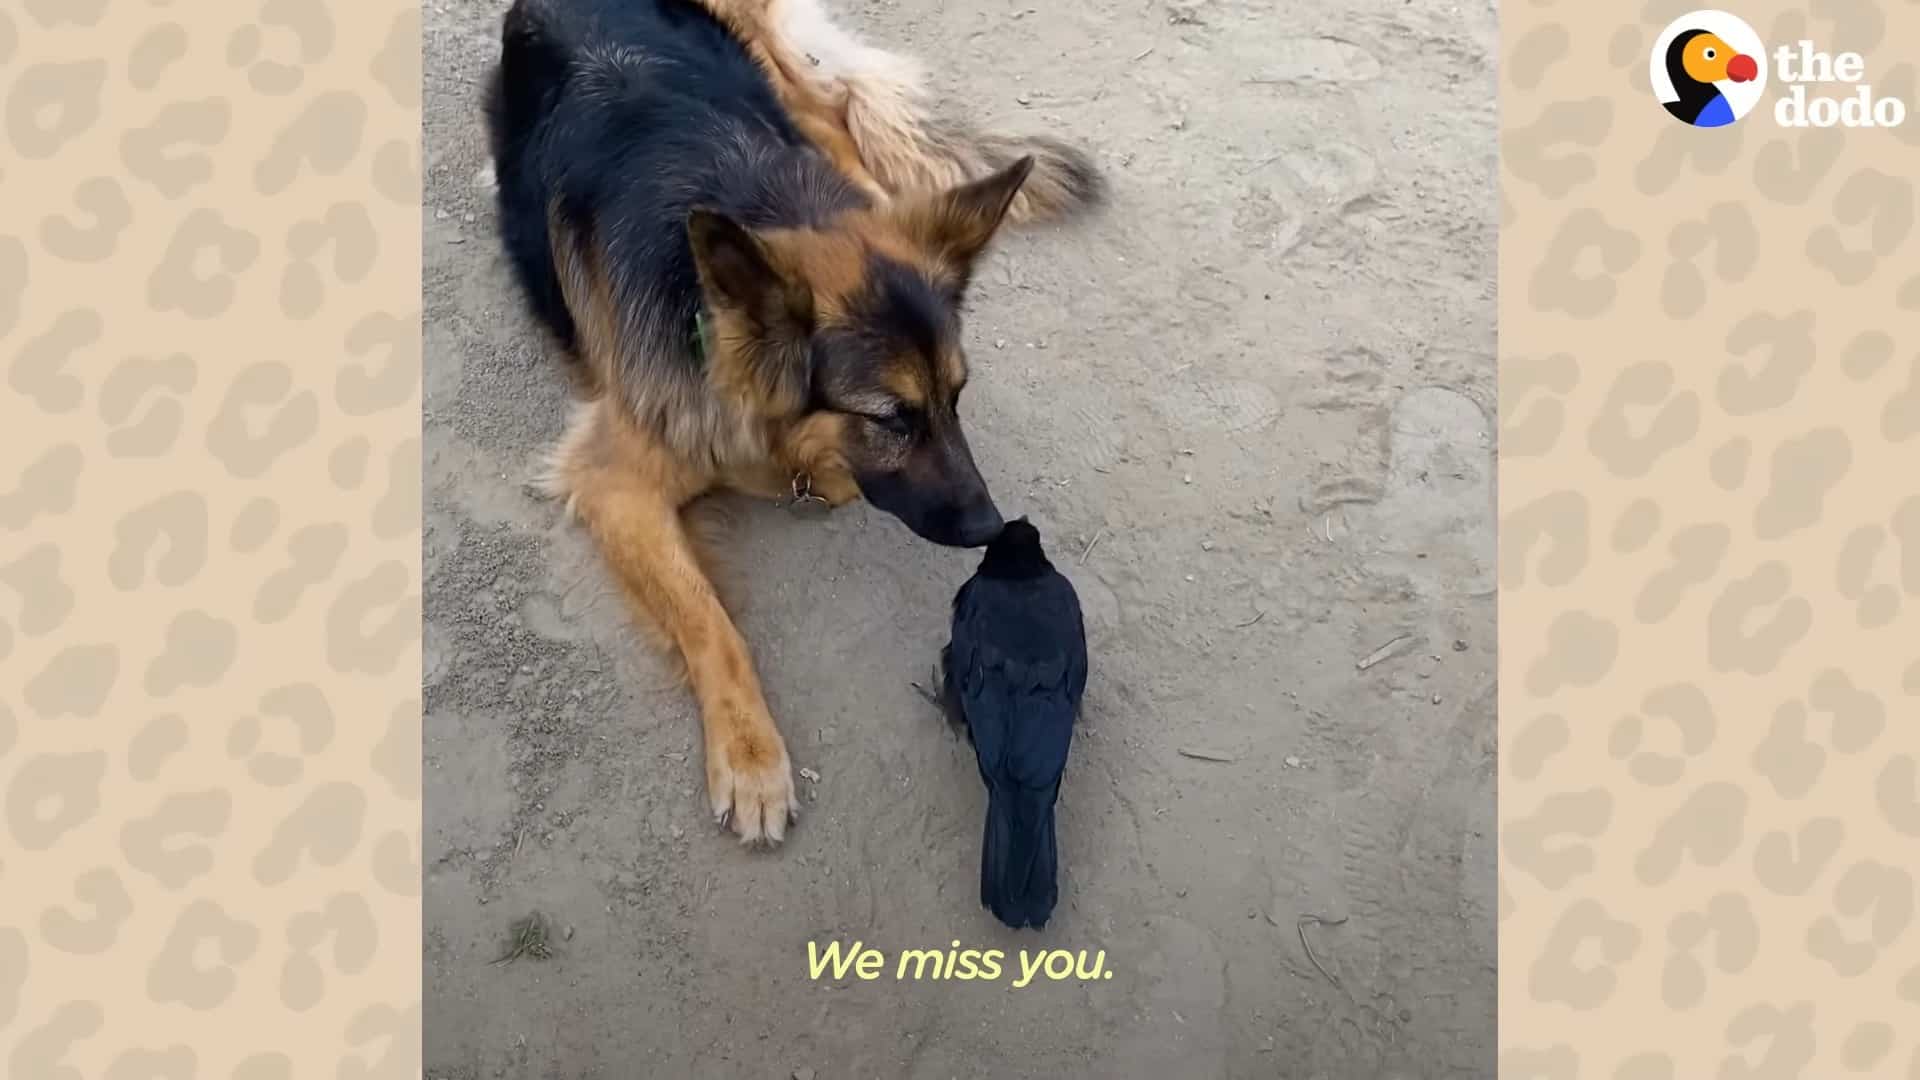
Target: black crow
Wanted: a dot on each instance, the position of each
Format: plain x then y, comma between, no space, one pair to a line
1013,674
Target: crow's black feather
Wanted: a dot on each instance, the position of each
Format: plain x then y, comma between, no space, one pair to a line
1013,675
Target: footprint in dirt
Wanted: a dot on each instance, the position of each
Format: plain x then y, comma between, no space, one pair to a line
1232,406
1436,506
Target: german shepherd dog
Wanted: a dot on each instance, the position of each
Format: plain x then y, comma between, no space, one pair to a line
751,241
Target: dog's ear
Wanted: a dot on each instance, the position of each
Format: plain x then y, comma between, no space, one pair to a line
762,317
740,277
958,223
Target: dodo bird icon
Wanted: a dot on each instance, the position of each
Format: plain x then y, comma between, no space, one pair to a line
1698,62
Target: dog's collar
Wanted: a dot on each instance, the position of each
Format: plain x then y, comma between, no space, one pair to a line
804,500
701,336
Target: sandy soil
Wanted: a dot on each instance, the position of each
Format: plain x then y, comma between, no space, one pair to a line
1262,381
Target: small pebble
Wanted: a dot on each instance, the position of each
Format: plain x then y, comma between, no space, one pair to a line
1436,699
1189,577
809,776
567,934
1023,99
1188,478
1206,545
1293,762
1459,645
441,215
803,1073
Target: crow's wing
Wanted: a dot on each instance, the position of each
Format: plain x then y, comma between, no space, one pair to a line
1017,668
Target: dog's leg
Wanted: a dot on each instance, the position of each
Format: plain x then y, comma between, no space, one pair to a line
630,499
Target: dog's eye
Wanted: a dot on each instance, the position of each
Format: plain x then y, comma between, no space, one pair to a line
897,422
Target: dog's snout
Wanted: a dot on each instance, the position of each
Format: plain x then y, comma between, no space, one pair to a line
978,523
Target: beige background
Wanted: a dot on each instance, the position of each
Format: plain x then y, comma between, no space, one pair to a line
209,540
1710,564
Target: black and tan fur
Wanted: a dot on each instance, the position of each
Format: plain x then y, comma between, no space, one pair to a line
749,300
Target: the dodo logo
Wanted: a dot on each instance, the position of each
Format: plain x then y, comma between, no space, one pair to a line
1709,68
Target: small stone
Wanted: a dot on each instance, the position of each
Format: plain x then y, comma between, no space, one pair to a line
1188,478
803,1073
1406,1015
1293,762
441,215
1023,99
1189,577
1180,891
567,934
809,776
1436,699
1206,545
468,218
999,343
1459,645
677,832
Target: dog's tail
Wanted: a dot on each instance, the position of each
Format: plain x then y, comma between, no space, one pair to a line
905,146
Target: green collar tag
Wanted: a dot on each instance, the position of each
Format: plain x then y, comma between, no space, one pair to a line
702,336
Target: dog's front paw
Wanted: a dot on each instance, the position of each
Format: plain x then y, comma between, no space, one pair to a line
750,783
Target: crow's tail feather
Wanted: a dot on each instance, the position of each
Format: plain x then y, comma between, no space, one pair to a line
1018,862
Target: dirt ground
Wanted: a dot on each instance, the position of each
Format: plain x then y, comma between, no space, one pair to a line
1250,407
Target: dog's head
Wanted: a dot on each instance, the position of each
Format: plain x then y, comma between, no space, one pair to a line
850,334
